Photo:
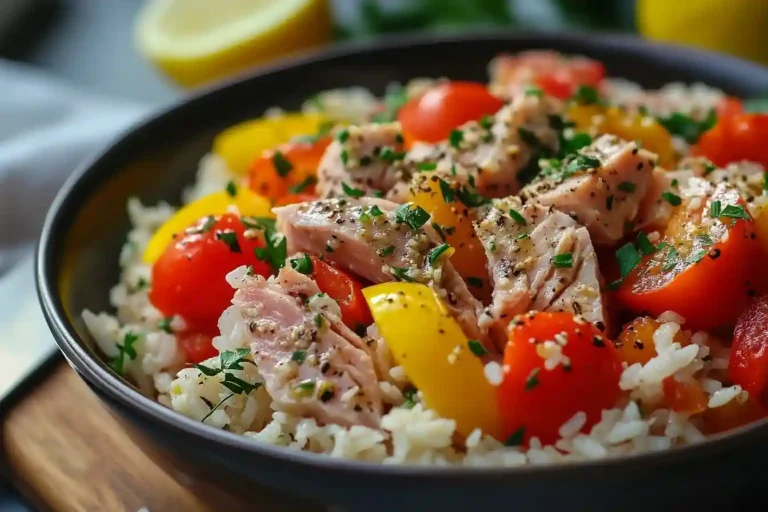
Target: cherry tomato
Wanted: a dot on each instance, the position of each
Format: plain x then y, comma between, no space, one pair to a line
748,365
555,74
734,138
537,401
345,290
295,198
728,107
198,347
188,279
432,116
687,397
688,276
635,343
733,414
290,165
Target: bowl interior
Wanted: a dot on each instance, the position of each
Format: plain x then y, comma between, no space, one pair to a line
78,260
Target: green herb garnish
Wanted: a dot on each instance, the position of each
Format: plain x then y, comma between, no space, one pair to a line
477,348
299,356
231,188
229,237
518,217
516,438
165,324
627,186
435,253
686,127
302,264
304,185
564,260
627,257
386,251
413,217
401,274
426,166
533,379
455,138
671,198
282,165
124,349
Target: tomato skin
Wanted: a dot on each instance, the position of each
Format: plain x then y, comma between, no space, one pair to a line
295,198
563,82
734,138
729,106
304,158
432,116
346,291
699,292
686,397
197,347
590,385
748,364
188,279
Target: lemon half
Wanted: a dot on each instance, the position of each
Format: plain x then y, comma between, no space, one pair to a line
198,41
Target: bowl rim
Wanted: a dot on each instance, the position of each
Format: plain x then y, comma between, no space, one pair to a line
96,372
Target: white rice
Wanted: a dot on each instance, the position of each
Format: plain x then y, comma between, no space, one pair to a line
414,435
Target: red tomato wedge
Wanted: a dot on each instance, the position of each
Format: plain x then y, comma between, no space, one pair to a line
535,401
345,290
708,269
748,365
189,278
432,116
736,137
289,169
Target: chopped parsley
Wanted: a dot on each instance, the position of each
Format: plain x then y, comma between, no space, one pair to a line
475,281
564,260
282,165
527,136
351,191
522,236
714,209
375,211
328,248
627,186
455,138
413,217
344,156
671,198
229,237
673,257
124,349
449,195
644,245
709,168
299,356
319,321
686,127
518,217
401,274
697,256
533,91
735,212
516,438
141,284
476,348
305,387
387,155
342,136
276,249
426,166
533,379
410,398
578,141
304,185
231,188
675,183
386,251
302,264
165,324
585,95
206,226
470,197
562,170
627,257
705,240
486,122
765,181
439,231
435,253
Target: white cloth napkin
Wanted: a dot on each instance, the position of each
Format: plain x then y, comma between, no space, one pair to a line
46,129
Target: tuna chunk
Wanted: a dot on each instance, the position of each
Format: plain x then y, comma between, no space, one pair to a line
539,259
367,157
494,152
376,240
601,187
308,367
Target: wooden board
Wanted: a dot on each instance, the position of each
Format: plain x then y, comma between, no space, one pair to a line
67,453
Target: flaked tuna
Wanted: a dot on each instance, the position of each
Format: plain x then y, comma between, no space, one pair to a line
310,368
379,241
539,259
601,187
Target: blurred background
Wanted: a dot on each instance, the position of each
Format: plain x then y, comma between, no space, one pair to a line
106,46
74,72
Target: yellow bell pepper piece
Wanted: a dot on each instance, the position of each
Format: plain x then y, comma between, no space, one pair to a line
435,354
241,144
614,121
217,203
469,258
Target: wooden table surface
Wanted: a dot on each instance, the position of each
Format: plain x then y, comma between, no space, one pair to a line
67,453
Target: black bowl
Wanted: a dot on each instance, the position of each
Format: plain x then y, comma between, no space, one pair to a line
84,230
